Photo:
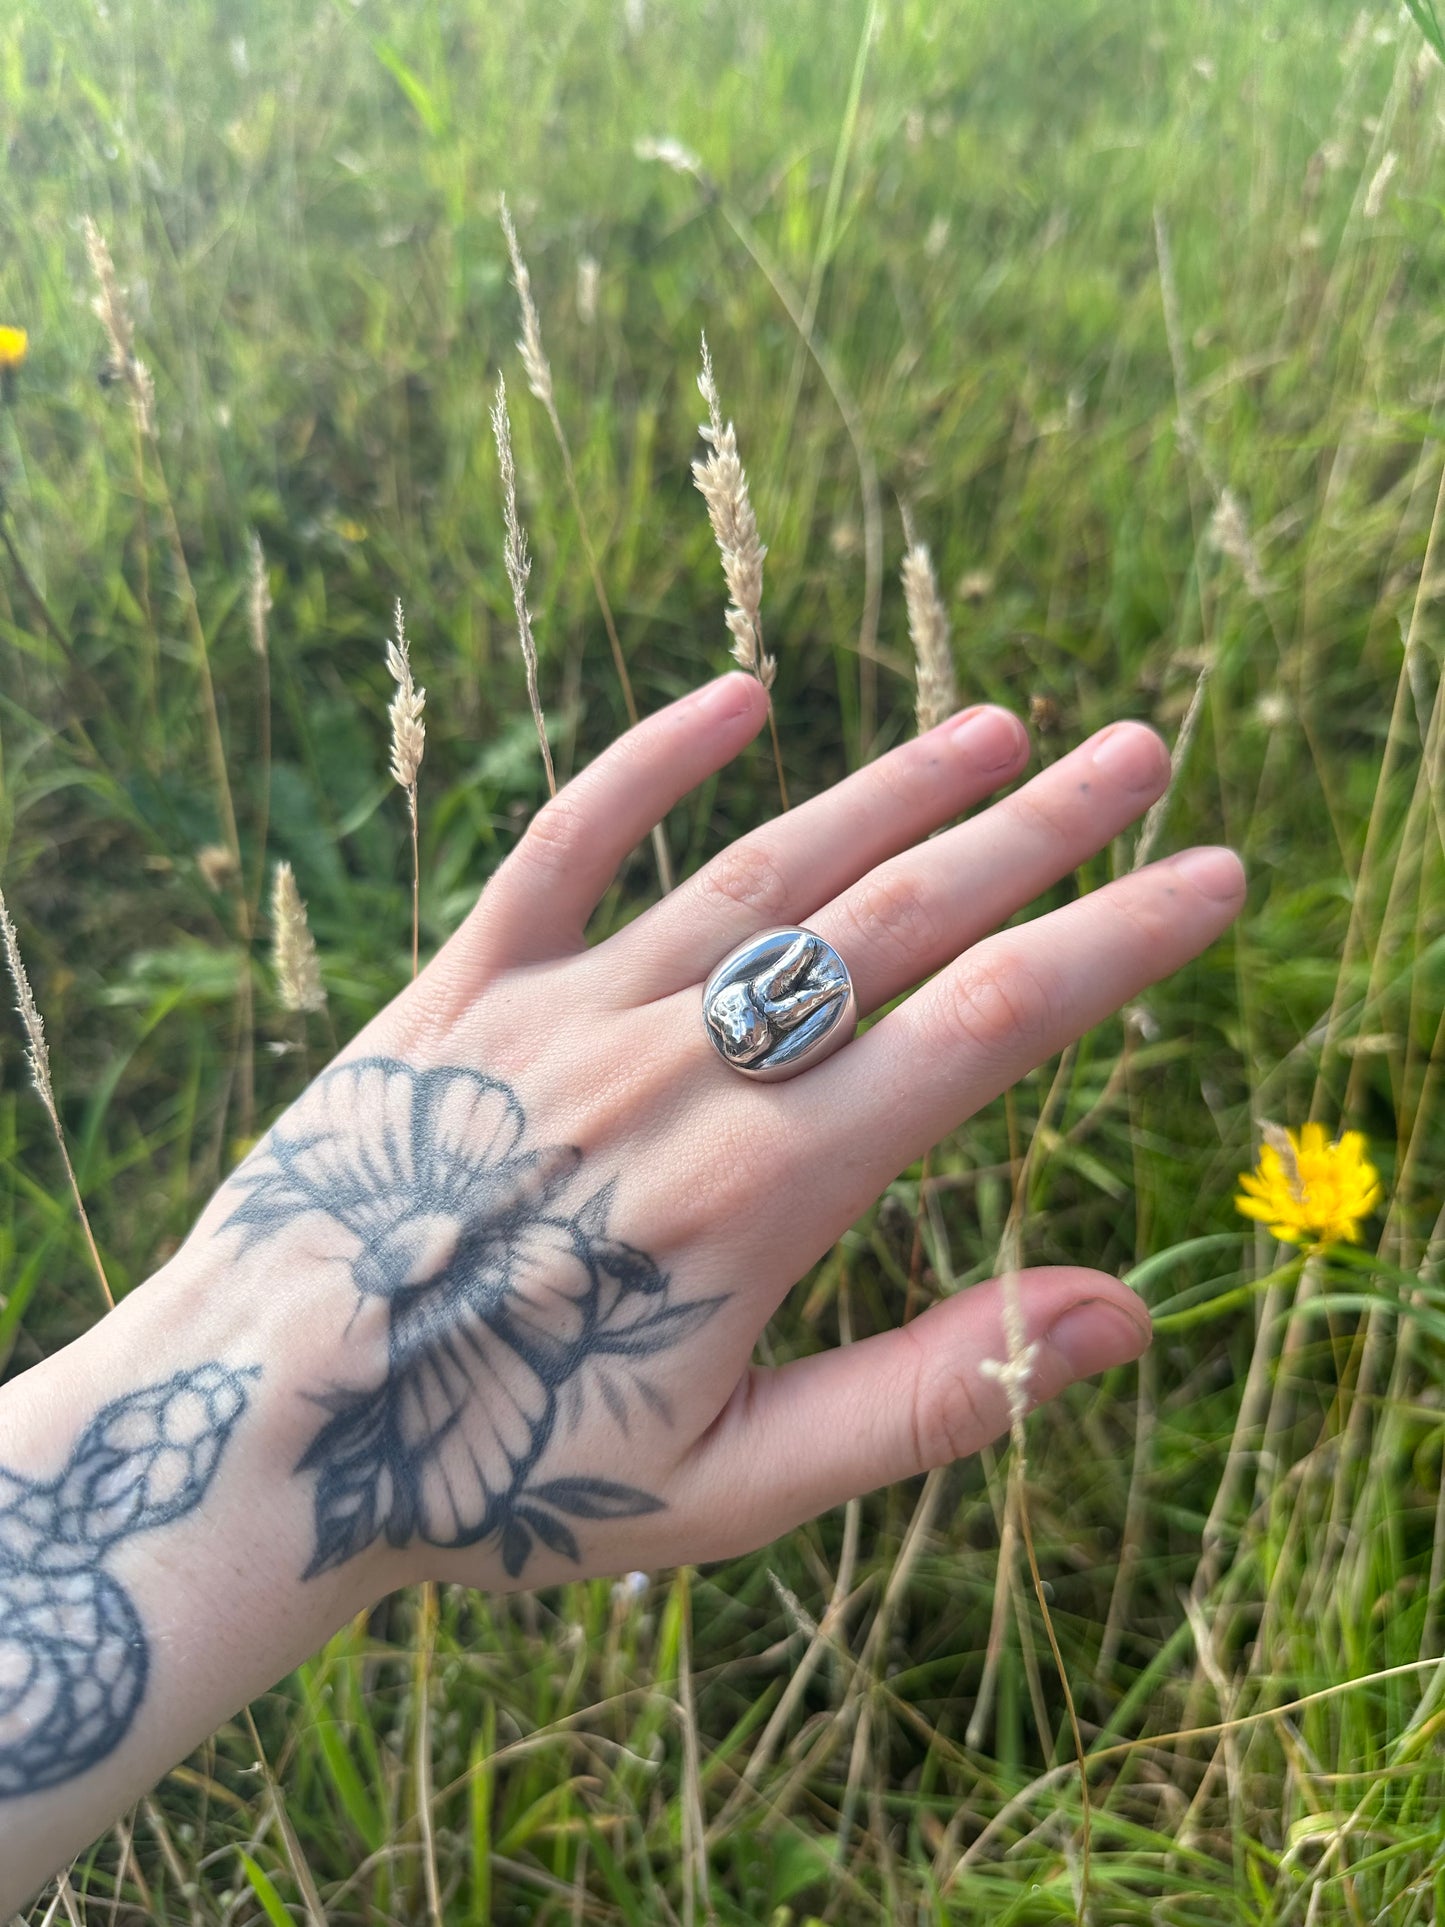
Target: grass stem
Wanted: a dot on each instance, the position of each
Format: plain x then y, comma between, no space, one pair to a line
38,1056
539,377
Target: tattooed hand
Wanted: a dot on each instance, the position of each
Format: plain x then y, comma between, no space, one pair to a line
481,1305
552,1222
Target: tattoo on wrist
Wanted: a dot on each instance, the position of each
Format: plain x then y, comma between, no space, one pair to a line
74,1656
511,1314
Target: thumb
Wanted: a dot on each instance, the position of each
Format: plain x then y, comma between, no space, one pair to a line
800,1439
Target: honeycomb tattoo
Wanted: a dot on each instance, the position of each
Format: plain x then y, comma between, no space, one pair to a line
74,1656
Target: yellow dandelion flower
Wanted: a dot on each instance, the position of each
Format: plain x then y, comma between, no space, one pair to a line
14,346
1308,1190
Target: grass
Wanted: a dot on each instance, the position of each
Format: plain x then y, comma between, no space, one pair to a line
1069,272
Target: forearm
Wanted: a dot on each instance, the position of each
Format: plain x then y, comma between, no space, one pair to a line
152,1547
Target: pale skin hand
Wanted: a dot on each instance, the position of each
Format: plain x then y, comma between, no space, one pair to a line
497,1277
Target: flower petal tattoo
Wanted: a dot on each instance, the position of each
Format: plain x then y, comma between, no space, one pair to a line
74,1657
507,1311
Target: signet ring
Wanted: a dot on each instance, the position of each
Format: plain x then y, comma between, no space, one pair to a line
778,1004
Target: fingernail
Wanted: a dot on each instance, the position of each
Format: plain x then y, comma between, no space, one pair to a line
729,696
1214,872
1094,1336
992,739
1131,755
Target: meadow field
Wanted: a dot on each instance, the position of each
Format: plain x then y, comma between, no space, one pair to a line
1137,314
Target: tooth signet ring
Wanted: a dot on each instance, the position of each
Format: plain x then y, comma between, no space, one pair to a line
779,1003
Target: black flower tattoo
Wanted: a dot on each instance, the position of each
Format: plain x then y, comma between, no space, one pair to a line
74,1657
507,1312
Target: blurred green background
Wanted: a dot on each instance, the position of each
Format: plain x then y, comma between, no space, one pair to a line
1137,312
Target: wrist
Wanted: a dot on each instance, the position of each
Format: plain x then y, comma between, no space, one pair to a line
221,1379
154,1545
284,1334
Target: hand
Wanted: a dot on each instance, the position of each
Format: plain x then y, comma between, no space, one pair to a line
547,1223
480,1306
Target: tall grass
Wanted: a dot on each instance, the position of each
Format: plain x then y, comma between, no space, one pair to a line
1137,314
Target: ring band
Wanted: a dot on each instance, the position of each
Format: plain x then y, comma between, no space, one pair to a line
778,1004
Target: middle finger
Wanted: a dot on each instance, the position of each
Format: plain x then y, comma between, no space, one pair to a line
910,916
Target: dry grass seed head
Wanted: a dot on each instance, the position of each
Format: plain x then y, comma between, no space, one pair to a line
143,396
293,948
671,152
1229,533
408,731
1375,194
38,1058
38,1053
519,568
1014,1371
217,866
109,303
723,485
928,629
1279,1141
258,596
589,284
114,316
534,359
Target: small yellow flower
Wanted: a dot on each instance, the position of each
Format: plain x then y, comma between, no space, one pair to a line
1308,1190
14,346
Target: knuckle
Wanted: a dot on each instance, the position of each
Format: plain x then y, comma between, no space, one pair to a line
1149,918
905,775
1000,996
1041,811
555,831
948,1422
746,877
891,912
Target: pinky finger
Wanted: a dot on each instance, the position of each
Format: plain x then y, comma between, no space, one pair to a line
796,1441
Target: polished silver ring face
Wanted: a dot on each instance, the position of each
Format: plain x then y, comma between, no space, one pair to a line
778,1004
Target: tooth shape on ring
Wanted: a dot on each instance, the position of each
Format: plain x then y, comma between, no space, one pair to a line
779,1003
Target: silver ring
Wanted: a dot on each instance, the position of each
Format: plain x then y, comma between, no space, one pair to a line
778,1004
